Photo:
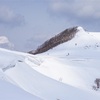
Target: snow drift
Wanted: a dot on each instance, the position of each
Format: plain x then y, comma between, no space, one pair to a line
66,72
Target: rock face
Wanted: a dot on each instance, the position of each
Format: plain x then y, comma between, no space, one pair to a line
62,37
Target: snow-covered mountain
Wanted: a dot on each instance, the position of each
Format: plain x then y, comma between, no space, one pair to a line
60,38
70,39
5,43
65,72
84,44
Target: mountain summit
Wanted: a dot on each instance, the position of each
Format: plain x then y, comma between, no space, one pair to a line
72,39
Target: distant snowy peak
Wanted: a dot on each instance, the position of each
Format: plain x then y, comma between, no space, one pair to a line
5,43
3,40
80,28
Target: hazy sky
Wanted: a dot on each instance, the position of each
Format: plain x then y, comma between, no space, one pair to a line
28,23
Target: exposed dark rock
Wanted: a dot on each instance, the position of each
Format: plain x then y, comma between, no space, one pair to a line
62,37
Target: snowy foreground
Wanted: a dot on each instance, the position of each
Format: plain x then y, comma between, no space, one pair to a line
66,72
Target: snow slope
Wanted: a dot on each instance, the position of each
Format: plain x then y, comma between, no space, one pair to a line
24,76
66,72
78,58
11,92
86,42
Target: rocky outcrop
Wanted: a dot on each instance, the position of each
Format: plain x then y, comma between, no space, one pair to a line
62,37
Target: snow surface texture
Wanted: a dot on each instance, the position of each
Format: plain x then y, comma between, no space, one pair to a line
66,72
11,92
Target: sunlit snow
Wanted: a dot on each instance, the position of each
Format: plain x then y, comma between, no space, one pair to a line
66,72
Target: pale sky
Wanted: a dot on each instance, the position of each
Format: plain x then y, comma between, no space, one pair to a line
28,23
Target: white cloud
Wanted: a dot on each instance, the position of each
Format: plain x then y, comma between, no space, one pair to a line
8,17
85,13
3,40
78,8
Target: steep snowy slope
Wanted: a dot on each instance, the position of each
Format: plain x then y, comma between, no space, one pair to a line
20,69
77,58
88,43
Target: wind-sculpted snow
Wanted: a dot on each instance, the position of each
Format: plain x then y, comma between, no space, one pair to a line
64,36
9,91
60,83
68,72
50,78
